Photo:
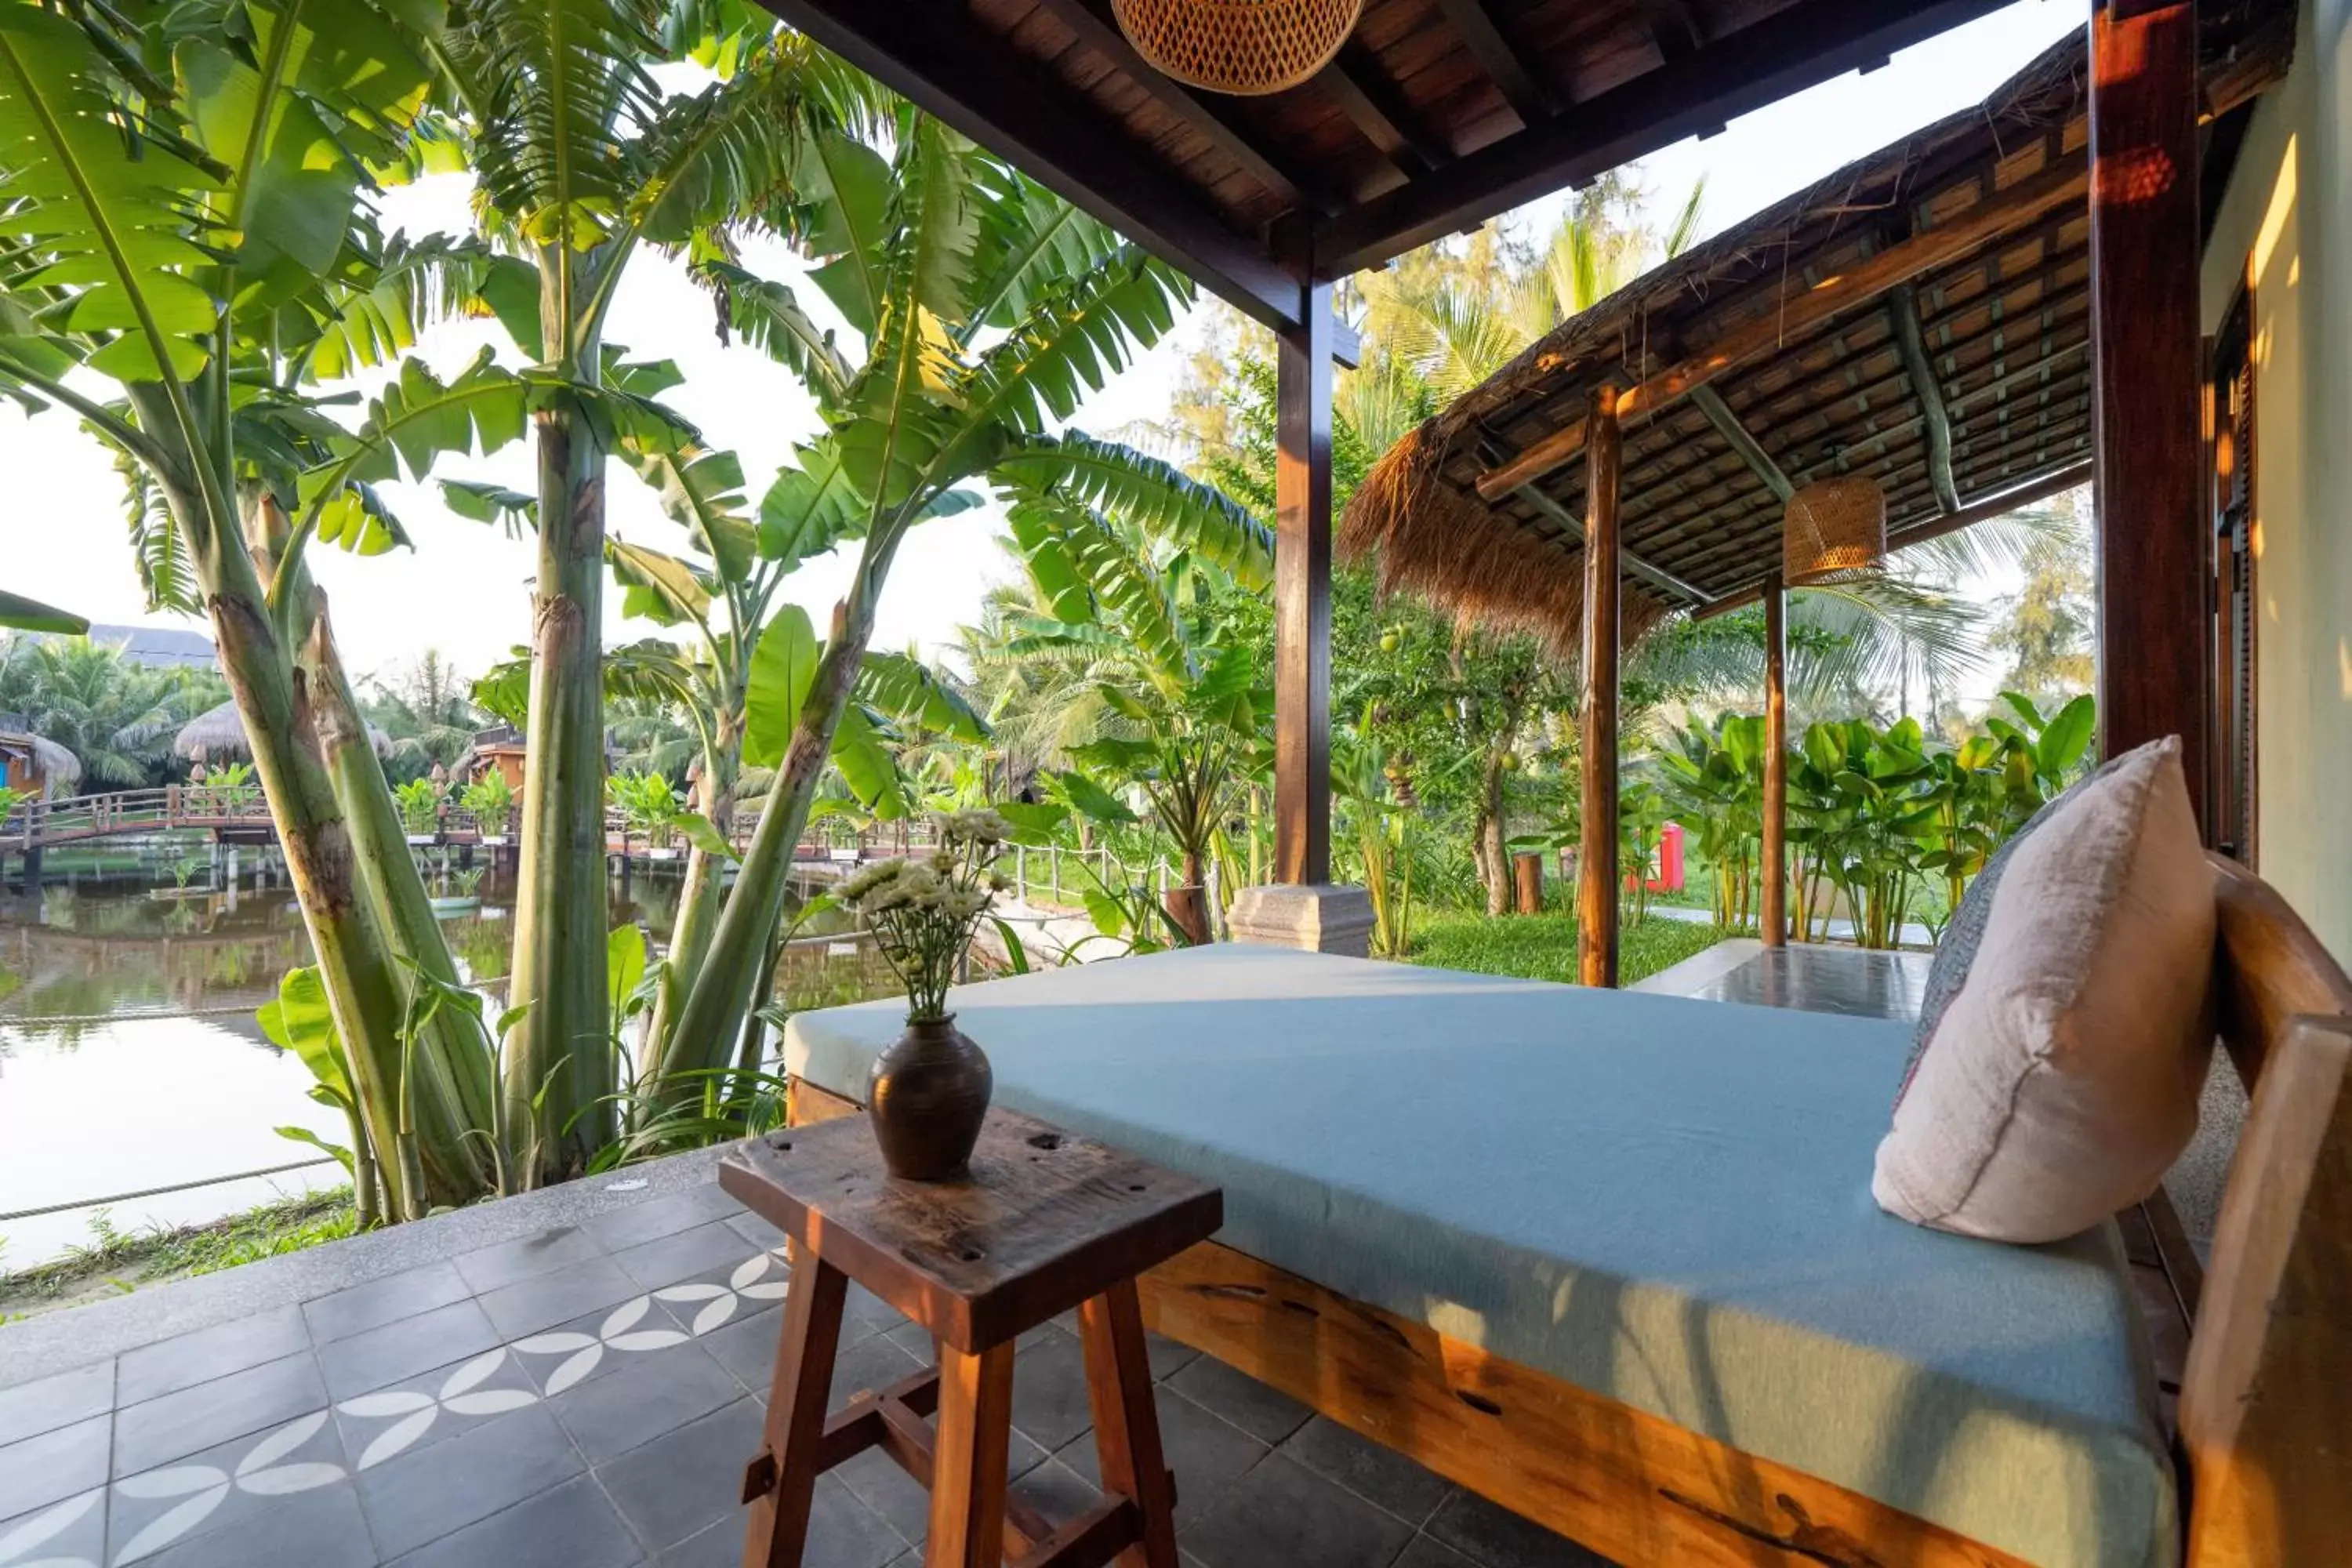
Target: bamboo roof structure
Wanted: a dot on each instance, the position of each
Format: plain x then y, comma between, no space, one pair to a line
59,768
1921,316
219,733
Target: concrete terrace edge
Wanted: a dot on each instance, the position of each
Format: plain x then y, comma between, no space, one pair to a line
60,1340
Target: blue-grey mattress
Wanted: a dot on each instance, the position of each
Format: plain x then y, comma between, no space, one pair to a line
1663,1200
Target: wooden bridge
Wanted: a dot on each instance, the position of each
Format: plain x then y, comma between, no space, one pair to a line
241,811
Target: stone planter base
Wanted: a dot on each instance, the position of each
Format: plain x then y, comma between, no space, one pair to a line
1319,919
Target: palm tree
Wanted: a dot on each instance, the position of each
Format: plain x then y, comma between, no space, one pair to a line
582,162
426,712
117,716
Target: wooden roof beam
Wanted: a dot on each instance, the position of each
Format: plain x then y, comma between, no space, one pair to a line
1794,48
1675,27
1726,424
1858,285
1356,86
1903,309
927,51
1657,576
1214,121
1511,68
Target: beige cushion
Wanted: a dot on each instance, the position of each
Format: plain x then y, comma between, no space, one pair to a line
2062,1081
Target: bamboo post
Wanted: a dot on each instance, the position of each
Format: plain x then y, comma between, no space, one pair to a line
1597,889
1775,870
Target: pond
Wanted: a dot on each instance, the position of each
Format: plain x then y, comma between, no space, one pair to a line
130,1058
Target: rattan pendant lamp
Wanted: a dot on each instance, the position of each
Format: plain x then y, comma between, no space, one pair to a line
1241,46
1835,530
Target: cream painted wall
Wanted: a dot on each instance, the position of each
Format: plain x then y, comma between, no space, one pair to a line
2286,224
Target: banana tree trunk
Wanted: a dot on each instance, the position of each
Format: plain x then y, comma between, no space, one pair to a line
1494,861
450,1078
698,902
1188,905
722,996
561,1049
353,960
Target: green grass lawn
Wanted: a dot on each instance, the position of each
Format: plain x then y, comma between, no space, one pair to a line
1543,947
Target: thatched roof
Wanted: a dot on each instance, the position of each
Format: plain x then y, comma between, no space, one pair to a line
59,768
2003,326
219,733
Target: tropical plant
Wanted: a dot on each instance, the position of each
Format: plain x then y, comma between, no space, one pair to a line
1374,806
1713,781
420,805
649,804
425,713
20,613
583,161
988,309
489,800
10,799
192,251
116,717
232,786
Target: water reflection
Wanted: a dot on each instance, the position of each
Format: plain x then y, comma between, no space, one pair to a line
130,1058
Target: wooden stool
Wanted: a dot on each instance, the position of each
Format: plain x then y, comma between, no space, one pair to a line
1046,1221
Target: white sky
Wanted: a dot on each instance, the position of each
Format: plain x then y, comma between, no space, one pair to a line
465,588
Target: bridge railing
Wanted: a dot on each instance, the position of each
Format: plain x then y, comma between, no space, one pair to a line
63,820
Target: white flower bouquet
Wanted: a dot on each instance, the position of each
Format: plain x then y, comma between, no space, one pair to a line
924,910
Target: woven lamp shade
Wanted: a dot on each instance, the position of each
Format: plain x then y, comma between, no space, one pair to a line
1243,47
1835,529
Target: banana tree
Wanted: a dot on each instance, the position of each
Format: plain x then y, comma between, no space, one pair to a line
190,247
583,162
1714,780
987,309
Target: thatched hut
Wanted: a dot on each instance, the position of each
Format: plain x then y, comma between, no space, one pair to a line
218,733
36,764
1920,318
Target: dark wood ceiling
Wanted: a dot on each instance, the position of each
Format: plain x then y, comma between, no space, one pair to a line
1435,116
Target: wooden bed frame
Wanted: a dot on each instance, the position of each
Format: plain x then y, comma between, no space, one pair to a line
2265,1445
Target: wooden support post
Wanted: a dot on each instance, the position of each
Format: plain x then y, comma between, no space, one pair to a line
1597,889
1302,599
1775,870
2144,226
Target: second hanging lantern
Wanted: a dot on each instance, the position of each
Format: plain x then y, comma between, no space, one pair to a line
1243,47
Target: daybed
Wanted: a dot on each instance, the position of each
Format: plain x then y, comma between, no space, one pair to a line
1611,1259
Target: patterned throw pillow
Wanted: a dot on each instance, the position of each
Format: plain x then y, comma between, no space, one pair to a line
2058,1081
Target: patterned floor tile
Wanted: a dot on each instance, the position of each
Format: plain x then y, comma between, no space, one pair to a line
543,1300
645,1398
222,1487
668,1259
433,1407
383,1357
69,1533
161,1430
56,1465
321,1529
420,1496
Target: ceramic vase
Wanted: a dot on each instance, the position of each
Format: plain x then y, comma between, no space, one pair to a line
927,1095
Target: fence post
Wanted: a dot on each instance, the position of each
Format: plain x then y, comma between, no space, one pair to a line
1021,873
1058,873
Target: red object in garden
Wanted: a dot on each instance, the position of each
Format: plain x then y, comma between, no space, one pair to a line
1669,878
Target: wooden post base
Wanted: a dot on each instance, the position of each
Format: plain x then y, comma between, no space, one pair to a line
976,1521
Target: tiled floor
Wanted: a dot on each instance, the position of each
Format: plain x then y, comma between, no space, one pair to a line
585,1396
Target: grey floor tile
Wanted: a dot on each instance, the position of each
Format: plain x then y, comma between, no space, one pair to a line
1267,1414
1381,1475
1494,1537
746,1347
1168,1357
1049,1390
54,1465
684,1481
597,1345
70,1531
382,1302
748,1285
495,1268
643,1222
668,1259
176,1424
842,1534
382,1357
569,1526
543,1300
433,1407
170,1365
1207,1452
874,1365
1057,1491
1428,1552
420,1496
1281,1511
225,1488
755,1229
322,1528
30,1409
901,1501
648,1396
